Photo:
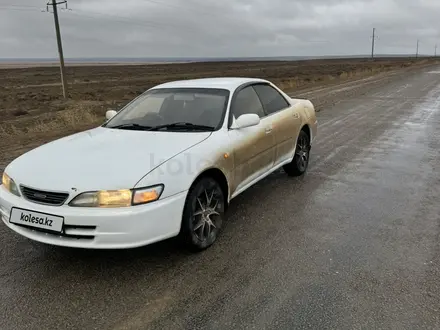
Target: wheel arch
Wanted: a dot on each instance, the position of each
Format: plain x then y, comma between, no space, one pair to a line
218,175
307,130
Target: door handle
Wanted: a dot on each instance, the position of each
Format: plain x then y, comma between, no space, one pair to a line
268,130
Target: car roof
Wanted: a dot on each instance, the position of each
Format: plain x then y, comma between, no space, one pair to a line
229,83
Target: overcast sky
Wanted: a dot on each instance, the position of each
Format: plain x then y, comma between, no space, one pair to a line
178,28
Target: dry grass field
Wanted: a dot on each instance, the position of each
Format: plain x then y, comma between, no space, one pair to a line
33,112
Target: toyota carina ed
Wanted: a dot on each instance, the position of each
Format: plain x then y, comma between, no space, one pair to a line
167,164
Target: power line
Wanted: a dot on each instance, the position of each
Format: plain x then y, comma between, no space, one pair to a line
20,6
146,23
124,19
24,9
115,18
46,10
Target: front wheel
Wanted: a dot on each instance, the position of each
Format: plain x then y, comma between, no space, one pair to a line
298,165
203,214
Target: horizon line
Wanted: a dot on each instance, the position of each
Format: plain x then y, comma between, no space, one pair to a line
207,57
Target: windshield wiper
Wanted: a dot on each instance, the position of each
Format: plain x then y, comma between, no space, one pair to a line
132,126
183,125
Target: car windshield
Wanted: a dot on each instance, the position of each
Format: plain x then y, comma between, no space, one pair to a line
176,109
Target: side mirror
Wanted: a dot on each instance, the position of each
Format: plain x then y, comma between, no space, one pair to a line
110,114
246,120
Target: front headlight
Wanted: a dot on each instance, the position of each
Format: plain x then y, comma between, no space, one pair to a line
118,198
10,185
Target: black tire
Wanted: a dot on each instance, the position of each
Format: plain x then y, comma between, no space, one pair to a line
207,193
300,162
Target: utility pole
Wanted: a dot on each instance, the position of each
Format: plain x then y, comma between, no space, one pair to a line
417,51
54,5
435,51
372,43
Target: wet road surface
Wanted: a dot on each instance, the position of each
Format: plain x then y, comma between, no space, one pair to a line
354,244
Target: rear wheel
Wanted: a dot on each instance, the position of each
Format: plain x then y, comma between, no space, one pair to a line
203,214
298,165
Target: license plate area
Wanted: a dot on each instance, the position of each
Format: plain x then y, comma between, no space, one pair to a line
34,219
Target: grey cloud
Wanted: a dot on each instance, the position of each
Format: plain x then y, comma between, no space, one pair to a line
146,28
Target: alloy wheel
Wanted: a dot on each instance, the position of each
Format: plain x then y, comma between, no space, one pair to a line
207,218
302,153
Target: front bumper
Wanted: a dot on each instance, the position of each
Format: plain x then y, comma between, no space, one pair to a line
116,228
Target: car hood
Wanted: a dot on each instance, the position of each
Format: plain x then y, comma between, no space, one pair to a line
99,159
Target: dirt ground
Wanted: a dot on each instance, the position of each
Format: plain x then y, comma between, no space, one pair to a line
32,110
31,92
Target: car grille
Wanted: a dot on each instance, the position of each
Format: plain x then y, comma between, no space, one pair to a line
44,197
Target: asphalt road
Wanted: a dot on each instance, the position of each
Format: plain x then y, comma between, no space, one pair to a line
354,244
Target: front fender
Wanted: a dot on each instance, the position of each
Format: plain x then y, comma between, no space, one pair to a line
178,173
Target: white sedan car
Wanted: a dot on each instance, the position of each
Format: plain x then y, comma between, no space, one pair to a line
167,164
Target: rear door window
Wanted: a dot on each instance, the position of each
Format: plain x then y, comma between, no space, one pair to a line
271,99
